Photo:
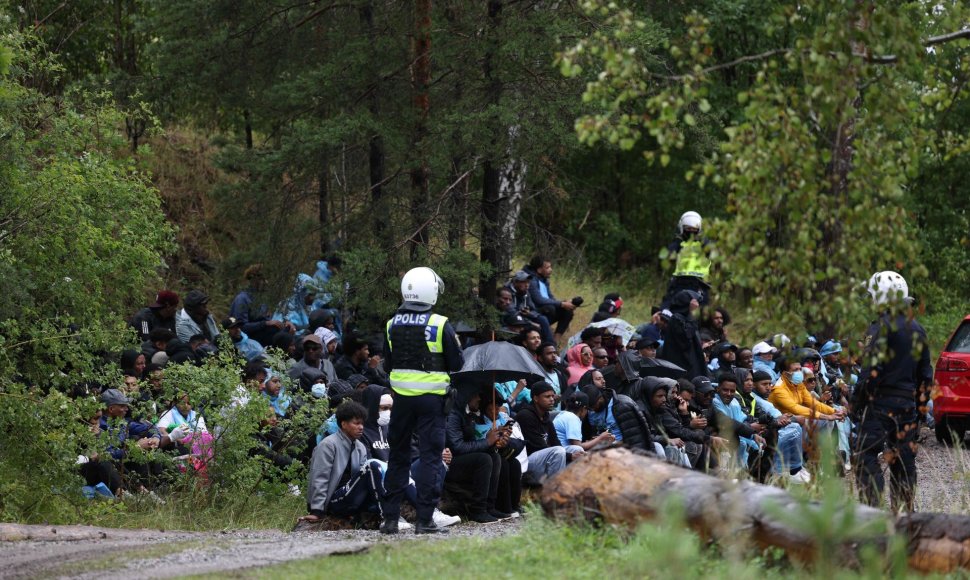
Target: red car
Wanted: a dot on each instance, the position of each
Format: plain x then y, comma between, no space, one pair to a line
951,400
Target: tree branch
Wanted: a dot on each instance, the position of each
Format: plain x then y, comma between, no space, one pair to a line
884,59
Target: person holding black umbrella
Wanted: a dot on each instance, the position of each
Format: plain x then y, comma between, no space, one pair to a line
421,349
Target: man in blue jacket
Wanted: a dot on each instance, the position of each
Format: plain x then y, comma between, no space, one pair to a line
555,310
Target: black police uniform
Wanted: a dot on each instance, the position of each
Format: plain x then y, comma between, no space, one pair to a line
896,370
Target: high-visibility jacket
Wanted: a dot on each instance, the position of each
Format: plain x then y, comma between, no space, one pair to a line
416,340
692,260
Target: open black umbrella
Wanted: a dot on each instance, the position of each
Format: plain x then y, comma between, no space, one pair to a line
658,367
494,362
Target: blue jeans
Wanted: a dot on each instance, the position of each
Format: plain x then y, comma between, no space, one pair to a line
789,448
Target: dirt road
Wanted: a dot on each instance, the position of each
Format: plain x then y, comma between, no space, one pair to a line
88,552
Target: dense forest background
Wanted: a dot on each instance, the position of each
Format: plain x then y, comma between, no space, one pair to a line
821,140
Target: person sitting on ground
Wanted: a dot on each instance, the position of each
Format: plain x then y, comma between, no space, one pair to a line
531,340
745,358
612,305
732,418
572,426
716,322
513,395
593,377
296,309
342,481
477,462
247,347
133,364
95,468
653,403
254,315
788,462
378,402
157,342
118,429
523,305
620,415
556,311
677,421
555,376
592,336
546,456
648,344
791,396
278,399
313,357
357,360
181,414
580,361
764,359
194,319
725,355
159,314
601,358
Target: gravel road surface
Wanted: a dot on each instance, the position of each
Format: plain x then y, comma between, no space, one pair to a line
105,553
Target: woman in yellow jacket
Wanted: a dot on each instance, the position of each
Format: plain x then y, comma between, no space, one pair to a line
789,395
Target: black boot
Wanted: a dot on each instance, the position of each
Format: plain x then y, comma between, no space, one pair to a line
428,527
389,526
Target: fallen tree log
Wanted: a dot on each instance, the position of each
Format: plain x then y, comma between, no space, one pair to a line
622,487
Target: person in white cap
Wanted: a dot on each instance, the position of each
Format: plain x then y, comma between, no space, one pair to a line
896,371
764,355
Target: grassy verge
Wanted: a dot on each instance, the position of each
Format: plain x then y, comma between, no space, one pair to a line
195,512
544,548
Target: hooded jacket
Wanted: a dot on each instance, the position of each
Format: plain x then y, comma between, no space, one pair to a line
631,421
683,343
539,289
186,327
462,430
575,368
375,435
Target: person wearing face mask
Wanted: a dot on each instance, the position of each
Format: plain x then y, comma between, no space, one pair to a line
378,417
790,395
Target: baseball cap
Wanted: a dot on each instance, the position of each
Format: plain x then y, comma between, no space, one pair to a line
165,298
703,385
521,276
514,319
196,298
231,322
763,348
114,397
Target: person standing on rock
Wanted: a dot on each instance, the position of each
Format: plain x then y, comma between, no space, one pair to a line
421,350
896,371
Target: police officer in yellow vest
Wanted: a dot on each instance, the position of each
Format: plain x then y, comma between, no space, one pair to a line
692,265
420,350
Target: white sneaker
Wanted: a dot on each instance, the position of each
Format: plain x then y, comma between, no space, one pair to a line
795,479
805,476
847,467
443,520
516,515
402,524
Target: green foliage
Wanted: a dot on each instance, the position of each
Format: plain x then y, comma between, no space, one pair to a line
818,160
369,285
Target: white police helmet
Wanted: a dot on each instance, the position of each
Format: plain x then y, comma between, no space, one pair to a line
690,219
887,287
422,286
